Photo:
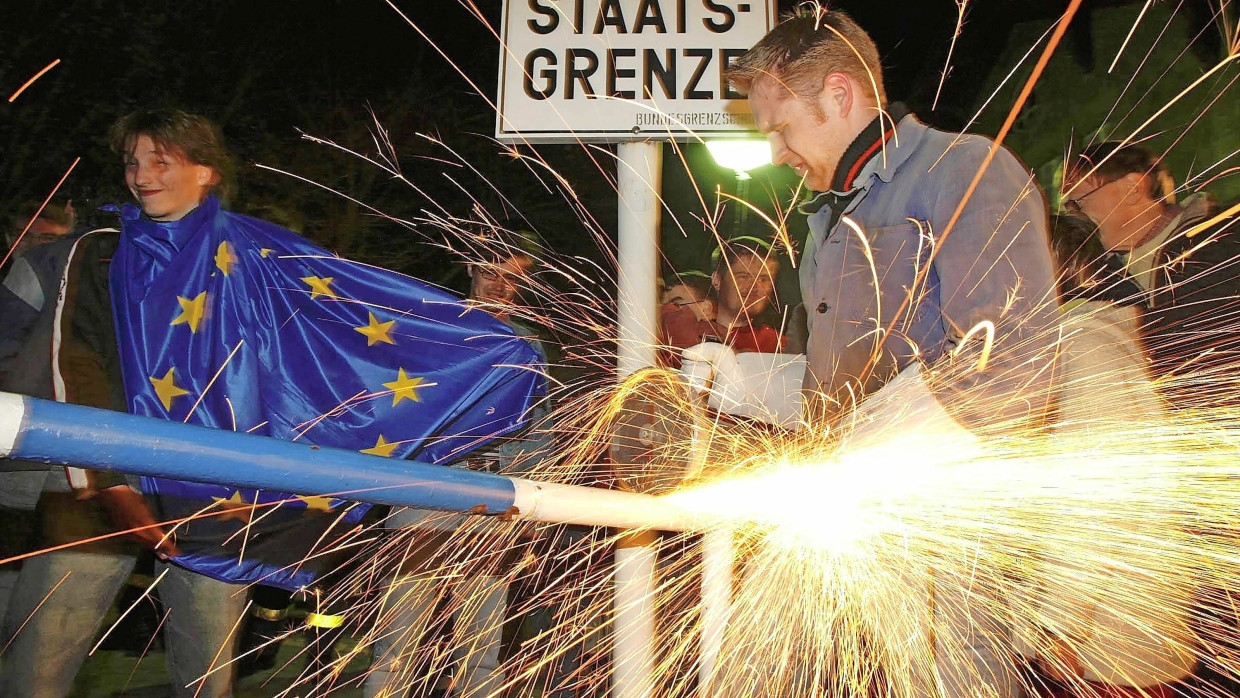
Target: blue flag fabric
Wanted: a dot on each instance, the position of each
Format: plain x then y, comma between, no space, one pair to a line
231,322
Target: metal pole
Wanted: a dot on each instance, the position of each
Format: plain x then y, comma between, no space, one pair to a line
717,554
639,180
633,671
62,434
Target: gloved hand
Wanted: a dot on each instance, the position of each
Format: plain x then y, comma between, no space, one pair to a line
129,511
905,408
710,366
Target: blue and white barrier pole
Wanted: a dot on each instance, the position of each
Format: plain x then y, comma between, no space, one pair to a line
72,435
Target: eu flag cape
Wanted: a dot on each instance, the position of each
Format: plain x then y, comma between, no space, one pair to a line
230,322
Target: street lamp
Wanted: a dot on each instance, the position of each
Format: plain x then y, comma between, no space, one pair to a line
740,156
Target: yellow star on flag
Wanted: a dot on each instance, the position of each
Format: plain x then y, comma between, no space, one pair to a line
381,447
225,260
376,331
192,311
320,286
404,387
166,388
235,507
264,252
314,503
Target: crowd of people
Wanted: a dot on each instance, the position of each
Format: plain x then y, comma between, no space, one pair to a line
915,238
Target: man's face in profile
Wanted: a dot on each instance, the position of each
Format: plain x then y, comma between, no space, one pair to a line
807,135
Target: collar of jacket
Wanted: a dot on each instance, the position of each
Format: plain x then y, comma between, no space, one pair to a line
871,143
1196,208
163,241
1180,220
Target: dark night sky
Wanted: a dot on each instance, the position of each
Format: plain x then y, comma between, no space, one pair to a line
268,69
276,65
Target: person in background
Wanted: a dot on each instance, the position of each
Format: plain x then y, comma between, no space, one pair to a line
1184,256
742,288
690,288
24,289
476,601
34,226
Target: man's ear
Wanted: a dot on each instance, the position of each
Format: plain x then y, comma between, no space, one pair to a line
1136,184
838,94
714,281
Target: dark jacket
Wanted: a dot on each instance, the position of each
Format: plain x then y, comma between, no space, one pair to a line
1192,325
57,340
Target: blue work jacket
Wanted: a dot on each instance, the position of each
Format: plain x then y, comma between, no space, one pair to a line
890,284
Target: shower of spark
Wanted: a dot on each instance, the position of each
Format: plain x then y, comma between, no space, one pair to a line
961,7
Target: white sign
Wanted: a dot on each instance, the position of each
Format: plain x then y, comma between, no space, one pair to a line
617,70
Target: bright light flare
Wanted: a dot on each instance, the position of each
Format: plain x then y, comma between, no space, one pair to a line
1101,537
830,499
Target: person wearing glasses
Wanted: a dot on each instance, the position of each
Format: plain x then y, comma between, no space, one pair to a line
689,288
929,289
1184,256
739,307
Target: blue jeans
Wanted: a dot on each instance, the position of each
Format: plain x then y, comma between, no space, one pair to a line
200,636
47,652
409,604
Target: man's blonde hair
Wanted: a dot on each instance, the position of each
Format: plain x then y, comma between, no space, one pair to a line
809,44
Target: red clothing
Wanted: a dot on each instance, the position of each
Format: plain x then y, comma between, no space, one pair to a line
681,328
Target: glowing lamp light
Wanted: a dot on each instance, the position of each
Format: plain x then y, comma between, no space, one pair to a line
740,155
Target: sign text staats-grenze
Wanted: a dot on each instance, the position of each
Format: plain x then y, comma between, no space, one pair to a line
624,69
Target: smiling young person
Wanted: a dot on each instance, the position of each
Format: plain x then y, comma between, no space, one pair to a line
172,163
200,315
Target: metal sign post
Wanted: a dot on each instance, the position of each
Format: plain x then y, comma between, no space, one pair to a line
633,72
639,179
